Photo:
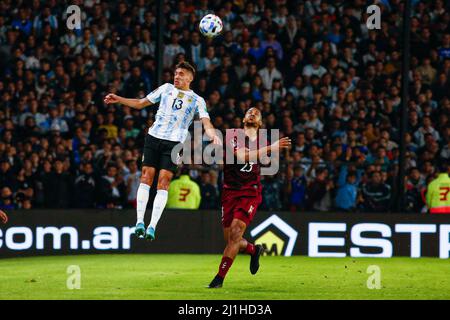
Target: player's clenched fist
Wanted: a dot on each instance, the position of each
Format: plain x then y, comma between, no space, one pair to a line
3,217
111,98
283,143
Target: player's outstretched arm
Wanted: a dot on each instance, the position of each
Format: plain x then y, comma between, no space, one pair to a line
283,143
133,103
210,131
246,155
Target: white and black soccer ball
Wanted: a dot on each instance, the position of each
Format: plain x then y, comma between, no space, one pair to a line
210,26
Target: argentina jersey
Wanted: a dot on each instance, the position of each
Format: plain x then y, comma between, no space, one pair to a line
176,111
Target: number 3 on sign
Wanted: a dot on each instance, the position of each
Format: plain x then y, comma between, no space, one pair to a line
183,194
443,193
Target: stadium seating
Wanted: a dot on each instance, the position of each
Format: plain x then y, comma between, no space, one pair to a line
313,68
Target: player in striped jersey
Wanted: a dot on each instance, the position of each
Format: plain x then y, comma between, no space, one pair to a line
177,106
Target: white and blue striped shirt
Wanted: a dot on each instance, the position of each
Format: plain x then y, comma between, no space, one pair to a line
176,111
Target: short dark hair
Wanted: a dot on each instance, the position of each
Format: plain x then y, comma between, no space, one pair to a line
186,65
374,173
351,175
130,162
412,169
184,170
111,164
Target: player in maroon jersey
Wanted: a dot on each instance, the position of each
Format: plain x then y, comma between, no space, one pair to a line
241,193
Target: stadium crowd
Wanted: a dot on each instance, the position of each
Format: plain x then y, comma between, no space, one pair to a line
312,67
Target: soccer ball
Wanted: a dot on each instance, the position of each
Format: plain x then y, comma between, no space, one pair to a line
210,25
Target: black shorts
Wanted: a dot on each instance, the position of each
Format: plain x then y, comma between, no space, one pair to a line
157,153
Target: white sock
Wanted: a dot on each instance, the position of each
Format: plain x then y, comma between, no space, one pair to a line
158,206
141,201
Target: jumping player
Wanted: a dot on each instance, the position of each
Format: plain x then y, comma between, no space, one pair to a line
241,193
177,106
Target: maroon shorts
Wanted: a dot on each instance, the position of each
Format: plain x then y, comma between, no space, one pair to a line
239,205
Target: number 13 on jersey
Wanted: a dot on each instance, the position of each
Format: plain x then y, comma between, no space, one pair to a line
177,104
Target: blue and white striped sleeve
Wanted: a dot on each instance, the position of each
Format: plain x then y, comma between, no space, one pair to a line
155,95
201,108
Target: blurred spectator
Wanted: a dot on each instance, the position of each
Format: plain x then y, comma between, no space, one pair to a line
209,62
57,185
195,49
172,49
315,68
85,187
132,181
269,74
184,193
7,178
111,189
347,188
54,122
423,130
318,193
415,188
298,190
209,194
23,22
130,130
111,129
437,199
271,42
6,202
24,185
271,193
22,201
375,194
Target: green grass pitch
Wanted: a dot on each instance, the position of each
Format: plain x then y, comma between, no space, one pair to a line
184,277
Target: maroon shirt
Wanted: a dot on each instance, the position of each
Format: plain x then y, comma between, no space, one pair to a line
243,177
